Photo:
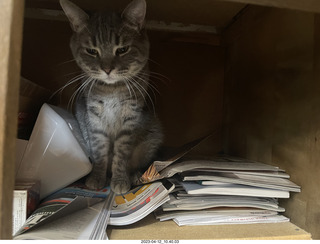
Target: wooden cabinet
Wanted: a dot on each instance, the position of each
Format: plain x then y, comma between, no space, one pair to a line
247,69
11,19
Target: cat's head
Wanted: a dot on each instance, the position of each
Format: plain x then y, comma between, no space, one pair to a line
109,47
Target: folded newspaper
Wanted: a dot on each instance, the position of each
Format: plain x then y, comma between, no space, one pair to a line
79,213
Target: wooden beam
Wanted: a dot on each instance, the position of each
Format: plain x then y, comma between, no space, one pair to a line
304,5
58,15
11,20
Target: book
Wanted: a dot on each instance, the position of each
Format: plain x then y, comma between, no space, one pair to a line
25,200
76,212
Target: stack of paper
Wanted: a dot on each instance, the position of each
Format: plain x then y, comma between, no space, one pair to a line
226,190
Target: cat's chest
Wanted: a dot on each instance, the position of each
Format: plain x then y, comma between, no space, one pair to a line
112,111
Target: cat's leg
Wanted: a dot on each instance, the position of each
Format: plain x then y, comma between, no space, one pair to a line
144,154
100,145
123,146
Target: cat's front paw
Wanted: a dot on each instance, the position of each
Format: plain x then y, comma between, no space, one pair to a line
95,183
120,185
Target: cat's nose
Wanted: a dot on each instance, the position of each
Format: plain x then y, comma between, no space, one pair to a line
107,70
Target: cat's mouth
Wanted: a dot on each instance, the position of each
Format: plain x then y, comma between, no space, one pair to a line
114,76
108,79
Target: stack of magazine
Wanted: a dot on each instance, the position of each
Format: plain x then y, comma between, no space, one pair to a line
225,190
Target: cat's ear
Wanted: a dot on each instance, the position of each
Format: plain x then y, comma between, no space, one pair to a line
135,13
77,17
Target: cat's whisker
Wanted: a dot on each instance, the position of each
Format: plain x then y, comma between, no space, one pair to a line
155,74
70,102
75,93
161,75
83,89
156,79
152,87
134,83
146,92
163,79
149,85
73,80
130,85
149,59
92,84
69,61
71,73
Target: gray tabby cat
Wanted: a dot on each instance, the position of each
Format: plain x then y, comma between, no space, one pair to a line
120,131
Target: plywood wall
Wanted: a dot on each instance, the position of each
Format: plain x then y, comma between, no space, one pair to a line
191,94
272,103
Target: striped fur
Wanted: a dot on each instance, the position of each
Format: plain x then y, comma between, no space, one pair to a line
121,131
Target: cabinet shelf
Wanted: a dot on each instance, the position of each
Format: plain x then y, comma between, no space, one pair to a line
151,228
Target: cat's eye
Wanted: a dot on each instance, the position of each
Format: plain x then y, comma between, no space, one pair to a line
122,50
92,51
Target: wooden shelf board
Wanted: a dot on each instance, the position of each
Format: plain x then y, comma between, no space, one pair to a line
152,229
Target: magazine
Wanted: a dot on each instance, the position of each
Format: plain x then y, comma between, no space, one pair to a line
275,174
79,225
216,216
231,183
87,212
234,189
212,178
223,163
170,156
215,201
139,202
231,219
